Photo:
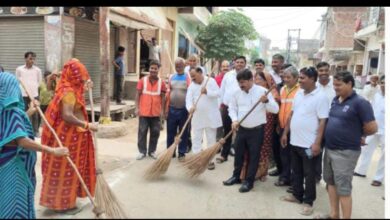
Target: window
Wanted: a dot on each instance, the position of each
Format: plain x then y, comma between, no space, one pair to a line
183,46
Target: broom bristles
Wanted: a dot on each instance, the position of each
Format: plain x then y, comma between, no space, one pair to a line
160,166
198,163
106,199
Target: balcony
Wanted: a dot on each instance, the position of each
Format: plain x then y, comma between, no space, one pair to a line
195,14
369,22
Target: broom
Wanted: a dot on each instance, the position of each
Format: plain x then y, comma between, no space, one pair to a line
97,210
104,196
198,163
160,166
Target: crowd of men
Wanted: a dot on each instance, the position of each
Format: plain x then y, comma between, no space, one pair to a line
312,122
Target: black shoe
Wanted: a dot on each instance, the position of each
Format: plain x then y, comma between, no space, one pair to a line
358,174
289,190
181,157
274,173
233,180
245,187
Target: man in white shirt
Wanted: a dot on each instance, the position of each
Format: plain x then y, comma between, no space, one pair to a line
154,50
229,87
277,63
206,116
370,90
325,84
373,141
193,61
31,76
250,132
307,123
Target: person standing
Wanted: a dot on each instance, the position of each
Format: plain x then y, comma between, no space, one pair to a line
266,81
287,96
31,76
325,84
150,102
351,118
218,79
177,113
250,132
371,89
154,50
45,95
206,116
119,75
18,153
193,62
67,115
306,126
373,141
229,87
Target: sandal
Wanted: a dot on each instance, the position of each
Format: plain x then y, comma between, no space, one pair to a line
290,198
281,183
376,183
220,160
323,216
307,210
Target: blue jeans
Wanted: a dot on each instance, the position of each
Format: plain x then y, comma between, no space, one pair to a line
175,122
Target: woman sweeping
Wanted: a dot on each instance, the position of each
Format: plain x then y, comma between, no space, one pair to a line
17,153
265,80
68,116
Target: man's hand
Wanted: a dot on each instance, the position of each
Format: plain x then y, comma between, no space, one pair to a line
363,141
203,91
315,149
283,140
264,99
166,115
235,126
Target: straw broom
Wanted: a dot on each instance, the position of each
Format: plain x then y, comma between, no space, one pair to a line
198,163
97,210
160,166
104,196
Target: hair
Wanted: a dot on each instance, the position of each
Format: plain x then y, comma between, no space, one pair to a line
261,75
374,76
29,53
310,72
155,62
1,69
259,61
46,73
285,66
244,74
345,76
381,79
179,59
292,70
121,49
240,57
278,57
198,69
322,64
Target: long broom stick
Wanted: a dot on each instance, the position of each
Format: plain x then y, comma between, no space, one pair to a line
98,212
160,166
198,163
104,196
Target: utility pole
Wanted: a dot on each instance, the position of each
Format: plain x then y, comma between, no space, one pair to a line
293,37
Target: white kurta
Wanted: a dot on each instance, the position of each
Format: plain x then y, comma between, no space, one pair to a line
207,113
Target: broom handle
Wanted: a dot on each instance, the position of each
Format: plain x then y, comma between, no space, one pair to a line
190,116
59,142
93,121
250,111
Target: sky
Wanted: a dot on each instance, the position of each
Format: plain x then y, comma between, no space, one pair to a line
274,22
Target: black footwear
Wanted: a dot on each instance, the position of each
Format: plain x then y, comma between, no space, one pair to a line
181,157
274,173
281,183
289,190
245,187
233,180
358,174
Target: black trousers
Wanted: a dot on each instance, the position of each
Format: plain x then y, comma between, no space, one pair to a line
276,146
304,173
318,165
227,127
34,119
146,123
249,140
118,88
285,156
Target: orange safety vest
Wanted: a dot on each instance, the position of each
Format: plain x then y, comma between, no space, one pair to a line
150,99
286,101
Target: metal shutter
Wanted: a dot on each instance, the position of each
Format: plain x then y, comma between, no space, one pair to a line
19,35
87,50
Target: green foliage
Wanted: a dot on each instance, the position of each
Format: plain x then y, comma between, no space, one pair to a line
225,35
253,54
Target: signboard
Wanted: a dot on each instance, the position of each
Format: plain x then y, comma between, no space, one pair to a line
29,11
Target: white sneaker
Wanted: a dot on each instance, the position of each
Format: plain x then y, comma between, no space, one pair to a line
140,156
153,155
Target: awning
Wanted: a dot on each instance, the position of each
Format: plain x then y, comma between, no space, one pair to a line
192,41
140,17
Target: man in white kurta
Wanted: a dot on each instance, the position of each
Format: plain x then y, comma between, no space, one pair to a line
206,118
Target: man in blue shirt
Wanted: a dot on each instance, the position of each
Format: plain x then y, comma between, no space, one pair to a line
351,119
119,75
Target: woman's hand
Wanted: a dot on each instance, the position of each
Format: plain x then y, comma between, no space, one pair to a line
93,127
60,151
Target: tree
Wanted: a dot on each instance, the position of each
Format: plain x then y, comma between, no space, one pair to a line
225,35
253,55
